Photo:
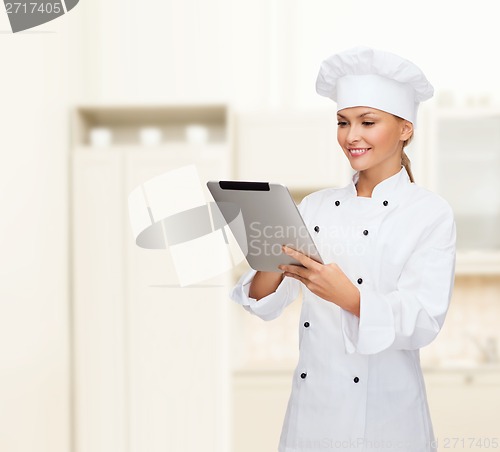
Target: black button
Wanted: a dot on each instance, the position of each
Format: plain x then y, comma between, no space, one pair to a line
316,228
306,324
385,203
337,203
365,232
303,375
360,281
356,379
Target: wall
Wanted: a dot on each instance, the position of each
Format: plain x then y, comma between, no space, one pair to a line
36,89
267,52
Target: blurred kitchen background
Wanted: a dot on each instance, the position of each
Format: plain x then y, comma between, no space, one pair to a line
99,350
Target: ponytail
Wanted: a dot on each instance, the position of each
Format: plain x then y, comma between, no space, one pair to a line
405,161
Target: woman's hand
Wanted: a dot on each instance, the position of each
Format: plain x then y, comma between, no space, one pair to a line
326,281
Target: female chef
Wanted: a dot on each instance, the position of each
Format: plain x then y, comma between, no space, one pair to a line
384,290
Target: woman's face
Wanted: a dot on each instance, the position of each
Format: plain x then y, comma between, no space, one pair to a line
372,138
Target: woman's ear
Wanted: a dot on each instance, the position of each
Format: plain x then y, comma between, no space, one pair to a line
406,130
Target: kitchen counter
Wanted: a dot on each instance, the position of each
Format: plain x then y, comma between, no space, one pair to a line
464,401
450,367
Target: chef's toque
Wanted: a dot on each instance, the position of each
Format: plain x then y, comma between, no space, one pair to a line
367,77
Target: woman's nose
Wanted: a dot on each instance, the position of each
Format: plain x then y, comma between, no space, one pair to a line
353,135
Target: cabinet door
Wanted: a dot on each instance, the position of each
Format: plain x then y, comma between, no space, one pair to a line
297,149
465,167
259,405
98,301
177,337
151,362
465,409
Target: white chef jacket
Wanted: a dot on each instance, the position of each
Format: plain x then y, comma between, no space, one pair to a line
358,384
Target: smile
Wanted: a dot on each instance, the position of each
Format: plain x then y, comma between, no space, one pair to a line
358,151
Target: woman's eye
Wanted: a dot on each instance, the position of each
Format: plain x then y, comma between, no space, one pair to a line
342,123
368,123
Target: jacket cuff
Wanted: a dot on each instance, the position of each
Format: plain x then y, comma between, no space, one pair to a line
239,293
268,307
374,329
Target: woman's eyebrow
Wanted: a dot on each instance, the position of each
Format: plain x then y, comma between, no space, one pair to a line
360,116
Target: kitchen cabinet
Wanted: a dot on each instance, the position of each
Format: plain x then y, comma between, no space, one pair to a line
464,405
258,409
150,357
462,164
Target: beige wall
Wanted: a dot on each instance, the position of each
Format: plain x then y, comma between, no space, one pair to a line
39,79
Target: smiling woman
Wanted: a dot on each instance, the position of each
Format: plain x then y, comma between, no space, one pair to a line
365,315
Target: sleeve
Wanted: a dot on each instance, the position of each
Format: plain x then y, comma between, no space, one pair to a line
411,316
271,306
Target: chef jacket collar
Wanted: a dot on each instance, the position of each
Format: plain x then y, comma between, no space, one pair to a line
388,189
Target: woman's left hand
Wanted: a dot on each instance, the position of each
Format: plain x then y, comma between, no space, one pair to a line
327,281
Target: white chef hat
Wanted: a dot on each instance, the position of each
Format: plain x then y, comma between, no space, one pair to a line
367,77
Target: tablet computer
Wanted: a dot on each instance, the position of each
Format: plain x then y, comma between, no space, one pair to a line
269,219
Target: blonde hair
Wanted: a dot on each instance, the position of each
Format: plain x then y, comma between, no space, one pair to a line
405,161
